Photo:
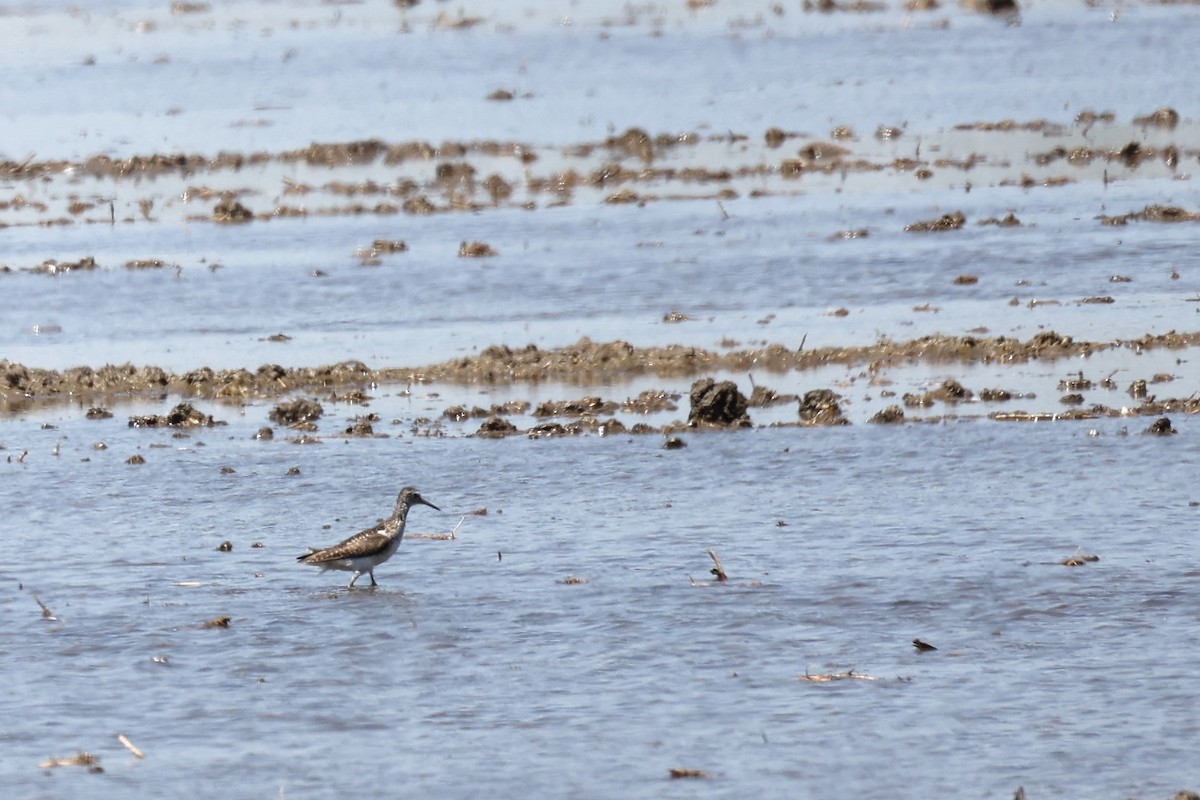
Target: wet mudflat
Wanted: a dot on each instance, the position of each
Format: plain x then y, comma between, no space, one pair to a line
906,341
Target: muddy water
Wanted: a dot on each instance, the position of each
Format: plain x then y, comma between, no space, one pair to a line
568,642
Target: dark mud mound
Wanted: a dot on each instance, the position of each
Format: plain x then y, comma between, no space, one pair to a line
717,404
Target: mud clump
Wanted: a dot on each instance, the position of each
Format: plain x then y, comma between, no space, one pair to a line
999,7
361,426
574,408
230,211
635,142
1048,341
717,404
951,391
476,250
496,428
947,222
297,412
183,415
891,415
547,430
820,407
1162,118
1160,427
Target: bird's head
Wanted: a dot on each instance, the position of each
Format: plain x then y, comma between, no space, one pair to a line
411,497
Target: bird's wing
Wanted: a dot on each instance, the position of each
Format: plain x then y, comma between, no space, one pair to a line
363,543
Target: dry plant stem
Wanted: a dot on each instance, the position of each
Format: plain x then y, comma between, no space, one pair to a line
718,570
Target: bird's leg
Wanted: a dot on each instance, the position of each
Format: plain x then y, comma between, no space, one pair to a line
371,572
352,580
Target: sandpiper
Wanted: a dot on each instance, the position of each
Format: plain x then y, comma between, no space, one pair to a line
366,550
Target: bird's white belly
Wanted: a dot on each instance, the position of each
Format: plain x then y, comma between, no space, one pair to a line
363,563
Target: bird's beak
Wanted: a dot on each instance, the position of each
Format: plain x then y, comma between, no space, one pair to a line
431,505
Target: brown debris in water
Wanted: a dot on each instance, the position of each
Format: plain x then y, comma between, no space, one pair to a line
763,397
573,408
1151,213
889,416
52,267
1078,559
650,401
680,772
547,430
80,759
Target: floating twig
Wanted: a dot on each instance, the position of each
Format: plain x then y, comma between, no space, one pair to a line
922,647
680,772
441,537
848,675
130,746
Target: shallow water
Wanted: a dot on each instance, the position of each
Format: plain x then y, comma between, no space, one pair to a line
474,664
